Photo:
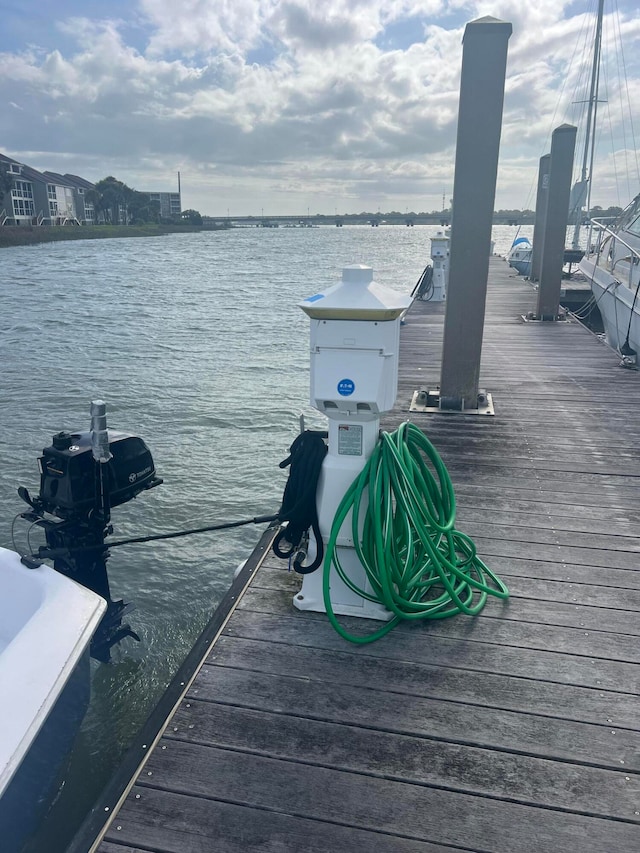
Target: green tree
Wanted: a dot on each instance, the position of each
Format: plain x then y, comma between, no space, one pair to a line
138,207
113,199
93,197
6,181
154,211
193,217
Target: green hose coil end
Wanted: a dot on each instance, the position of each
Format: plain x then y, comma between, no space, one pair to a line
417,564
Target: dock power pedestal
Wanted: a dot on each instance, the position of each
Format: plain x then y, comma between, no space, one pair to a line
355,336
440,258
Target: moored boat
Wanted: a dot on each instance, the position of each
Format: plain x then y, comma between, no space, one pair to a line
612,266
519,256
46,624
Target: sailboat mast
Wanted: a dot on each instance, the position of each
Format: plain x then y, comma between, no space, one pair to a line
590,134
593,91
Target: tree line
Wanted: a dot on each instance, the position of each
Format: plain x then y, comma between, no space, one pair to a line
118,203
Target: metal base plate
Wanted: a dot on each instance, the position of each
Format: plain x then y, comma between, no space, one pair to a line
429,401
534,318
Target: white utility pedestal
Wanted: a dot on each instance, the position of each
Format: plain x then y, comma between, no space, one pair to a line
355,336
440,258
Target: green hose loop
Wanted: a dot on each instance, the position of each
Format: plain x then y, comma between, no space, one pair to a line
418,565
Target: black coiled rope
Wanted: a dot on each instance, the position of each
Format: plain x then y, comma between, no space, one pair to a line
299,508
424,286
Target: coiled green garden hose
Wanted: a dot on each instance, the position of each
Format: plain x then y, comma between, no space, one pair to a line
419,566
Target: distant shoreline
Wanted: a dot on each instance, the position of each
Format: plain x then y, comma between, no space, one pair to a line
31,235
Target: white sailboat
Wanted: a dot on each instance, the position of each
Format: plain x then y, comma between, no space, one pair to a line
519,256
521,253
612,261
612,267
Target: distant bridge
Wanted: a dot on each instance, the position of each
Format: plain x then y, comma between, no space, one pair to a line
372,220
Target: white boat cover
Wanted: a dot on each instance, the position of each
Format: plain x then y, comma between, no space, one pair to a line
46,624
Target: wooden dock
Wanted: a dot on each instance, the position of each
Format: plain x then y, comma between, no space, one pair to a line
514,732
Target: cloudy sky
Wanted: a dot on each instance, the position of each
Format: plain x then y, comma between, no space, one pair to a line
285,106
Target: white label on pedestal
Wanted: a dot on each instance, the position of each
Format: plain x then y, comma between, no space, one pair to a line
350,440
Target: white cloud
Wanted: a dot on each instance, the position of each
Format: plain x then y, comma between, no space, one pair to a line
326,111
196,27
201,26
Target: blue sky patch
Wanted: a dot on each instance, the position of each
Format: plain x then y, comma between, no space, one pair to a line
35,22
400,35
265,54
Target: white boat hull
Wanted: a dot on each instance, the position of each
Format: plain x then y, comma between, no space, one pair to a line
46,625
613,270
615,302
519,257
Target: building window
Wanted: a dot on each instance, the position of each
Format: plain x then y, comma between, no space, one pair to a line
51,191
23,207
53,208
15,169
22,189
70,208
22,198
80,191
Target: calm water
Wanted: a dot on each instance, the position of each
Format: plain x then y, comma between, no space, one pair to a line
196,344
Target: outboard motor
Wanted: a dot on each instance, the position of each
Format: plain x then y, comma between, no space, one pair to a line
82,476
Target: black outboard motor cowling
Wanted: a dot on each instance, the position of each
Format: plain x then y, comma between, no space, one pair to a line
67,472
80,481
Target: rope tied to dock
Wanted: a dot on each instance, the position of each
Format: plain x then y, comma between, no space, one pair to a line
45,553
299,509
418,565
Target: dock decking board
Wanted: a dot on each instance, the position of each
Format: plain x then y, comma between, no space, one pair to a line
514,732
548,666
585,635
433,681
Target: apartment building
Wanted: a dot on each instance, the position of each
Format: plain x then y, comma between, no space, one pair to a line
63,189
37,198
49,198
170,203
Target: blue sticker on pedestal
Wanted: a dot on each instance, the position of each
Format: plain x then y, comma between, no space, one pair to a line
346,387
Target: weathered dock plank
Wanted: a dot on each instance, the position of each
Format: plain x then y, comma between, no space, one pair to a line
329,737
430,680
179,823
583,640
355,800
461,652
518,730
459,723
